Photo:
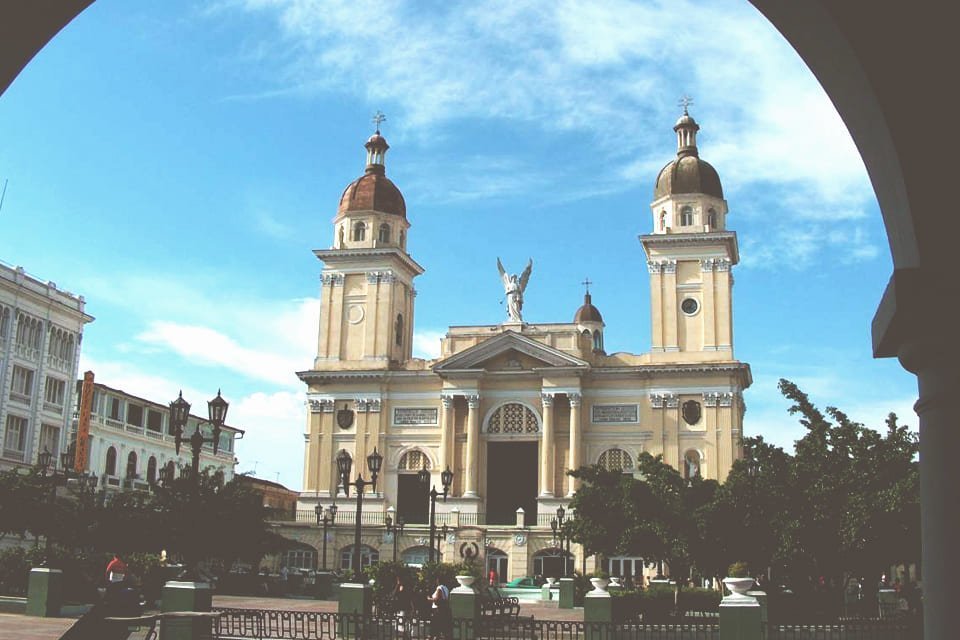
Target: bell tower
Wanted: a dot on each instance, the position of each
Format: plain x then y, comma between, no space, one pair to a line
367,294
690,255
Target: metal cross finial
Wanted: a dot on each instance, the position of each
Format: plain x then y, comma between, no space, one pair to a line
685,101
587,284
378,118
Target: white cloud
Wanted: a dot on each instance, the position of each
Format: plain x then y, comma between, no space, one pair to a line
426,344
612,71
273,442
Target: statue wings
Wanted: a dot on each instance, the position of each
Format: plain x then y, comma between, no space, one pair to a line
503,273
526,275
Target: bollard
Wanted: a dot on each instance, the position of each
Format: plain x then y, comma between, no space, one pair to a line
567,593
597,611
45,592
740,618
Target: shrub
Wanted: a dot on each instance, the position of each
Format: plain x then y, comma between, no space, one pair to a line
14,571
738,570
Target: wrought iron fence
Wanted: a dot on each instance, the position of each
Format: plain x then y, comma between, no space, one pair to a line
237,624
847,630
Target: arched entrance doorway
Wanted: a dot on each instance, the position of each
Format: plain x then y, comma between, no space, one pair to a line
512,432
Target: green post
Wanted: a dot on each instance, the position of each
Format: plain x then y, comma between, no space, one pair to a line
464,606
185,596
740,618
45,592
597,614
355,607
567,592
323,587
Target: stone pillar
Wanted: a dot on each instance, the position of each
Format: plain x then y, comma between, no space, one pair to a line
446,432
574,460
520,516
597,615
465,609
355,604
185,596
44,592
473,445
567,593
546,447
740,618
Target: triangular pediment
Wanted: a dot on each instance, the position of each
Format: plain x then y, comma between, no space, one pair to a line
509,351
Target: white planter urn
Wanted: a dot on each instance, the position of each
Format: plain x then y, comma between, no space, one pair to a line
551,581
466,582
599,585
738,587
615,582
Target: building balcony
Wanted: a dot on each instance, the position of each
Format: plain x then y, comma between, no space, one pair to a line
13,454
59,364
27,353
22,398
52,407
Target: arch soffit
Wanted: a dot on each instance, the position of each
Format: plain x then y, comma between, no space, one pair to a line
528,405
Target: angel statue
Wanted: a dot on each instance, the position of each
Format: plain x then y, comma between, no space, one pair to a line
513,287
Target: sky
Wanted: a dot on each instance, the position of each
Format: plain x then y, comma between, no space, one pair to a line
177,162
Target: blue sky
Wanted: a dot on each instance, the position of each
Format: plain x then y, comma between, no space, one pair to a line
176,163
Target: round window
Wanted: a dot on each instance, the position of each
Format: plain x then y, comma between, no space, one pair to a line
690,306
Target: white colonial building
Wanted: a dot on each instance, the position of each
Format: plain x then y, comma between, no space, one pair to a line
130,440
41,328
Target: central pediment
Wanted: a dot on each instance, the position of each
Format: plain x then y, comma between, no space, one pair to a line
509,351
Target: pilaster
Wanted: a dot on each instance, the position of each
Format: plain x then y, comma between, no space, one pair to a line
473,444
446,431
546,447
576,440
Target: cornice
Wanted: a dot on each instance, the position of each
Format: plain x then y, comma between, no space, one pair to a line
332,256
694,239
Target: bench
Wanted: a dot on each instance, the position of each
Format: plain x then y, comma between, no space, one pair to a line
498,615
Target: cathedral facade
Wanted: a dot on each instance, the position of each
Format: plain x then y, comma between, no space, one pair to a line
510,408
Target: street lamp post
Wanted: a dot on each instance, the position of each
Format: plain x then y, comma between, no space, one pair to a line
180,413
325,518
85,484
344,463
446,478
557,525
396,529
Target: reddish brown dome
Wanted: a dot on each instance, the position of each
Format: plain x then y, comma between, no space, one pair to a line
373,191
588,312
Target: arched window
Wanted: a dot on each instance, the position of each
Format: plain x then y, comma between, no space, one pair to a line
712,218
171,470
616,460
111,467
132,465
663,221
4,323
359,232
598,341
384,234
368,556
691,464
497,562
513,418
398,330
152,470
302,557
414,460
416,556
686,216
402,240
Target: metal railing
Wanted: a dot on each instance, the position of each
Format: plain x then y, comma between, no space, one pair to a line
906,629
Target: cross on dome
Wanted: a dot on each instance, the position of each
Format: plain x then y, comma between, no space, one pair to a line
685,101
587,284
377,119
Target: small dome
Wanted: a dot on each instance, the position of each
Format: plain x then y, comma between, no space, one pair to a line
373,191
588,312
377,141
688,174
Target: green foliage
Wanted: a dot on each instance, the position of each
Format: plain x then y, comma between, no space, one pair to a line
14,571
432,571
738,570
385,574
469,568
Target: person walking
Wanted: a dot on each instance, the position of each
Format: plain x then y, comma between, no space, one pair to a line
441,618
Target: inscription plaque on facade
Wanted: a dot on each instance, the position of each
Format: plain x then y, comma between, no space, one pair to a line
414,417
615,413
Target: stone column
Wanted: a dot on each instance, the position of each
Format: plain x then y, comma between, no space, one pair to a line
574,461
937,380
446,432
546,447
473,445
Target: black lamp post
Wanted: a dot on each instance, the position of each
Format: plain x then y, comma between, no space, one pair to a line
344,463
446,478
557,525
440,538
325,518
397,530
84,484
180,413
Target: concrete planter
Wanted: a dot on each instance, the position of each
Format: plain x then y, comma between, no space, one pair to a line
738,587
599,585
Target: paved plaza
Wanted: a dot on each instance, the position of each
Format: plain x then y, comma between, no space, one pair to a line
22,627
